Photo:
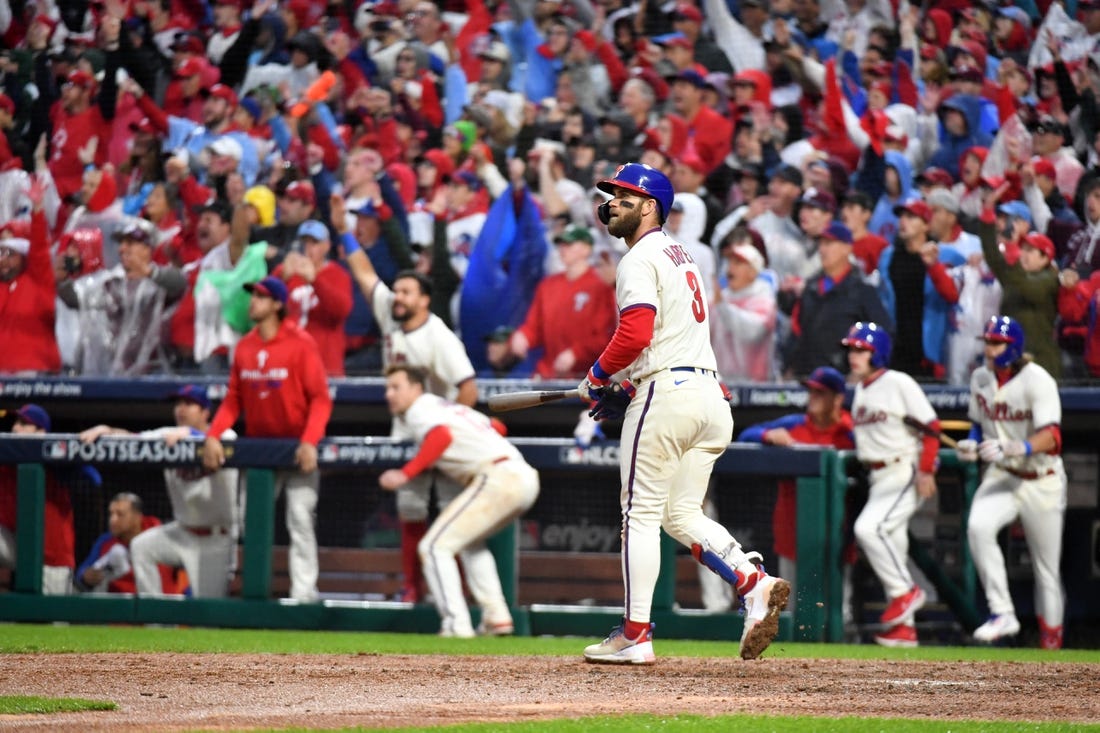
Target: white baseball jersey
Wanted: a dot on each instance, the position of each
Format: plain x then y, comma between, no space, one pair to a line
433,346
660,274
200,498
1025,404
475,444
877,410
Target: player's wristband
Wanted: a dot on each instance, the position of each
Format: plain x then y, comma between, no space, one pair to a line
599,373
351,244
1027,447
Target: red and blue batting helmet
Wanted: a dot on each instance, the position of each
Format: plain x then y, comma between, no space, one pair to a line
1005,330
869,337
642,179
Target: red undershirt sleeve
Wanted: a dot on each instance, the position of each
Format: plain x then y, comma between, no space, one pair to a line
435,442
930,450
634,333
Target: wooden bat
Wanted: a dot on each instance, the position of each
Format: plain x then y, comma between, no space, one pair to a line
506,401
929,430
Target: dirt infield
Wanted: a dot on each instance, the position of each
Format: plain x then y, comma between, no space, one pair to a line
165,692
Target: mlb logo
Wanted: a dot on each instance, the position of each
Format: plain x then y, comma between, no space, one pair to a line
330,453
55,450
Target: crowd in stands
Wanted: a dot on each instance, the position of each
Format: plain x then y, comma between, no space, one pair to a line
922,166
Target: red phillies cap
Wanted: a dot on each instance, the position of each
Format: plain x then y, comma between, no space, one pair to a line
917,208
144,125
189,67
1040,242
688,12
301,191
223,92
1044,167
80,78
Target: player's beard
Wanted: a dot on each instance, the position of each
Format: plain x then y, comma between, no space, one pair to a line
400,313
626,222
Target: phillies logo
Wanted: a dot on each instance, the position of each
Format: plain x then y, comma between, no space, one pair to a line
863,416
1001,412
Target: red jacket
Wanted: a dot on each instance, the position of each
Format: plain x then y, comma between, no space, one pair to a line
28,308
279,385
322,308
71,133
564,314
60,536
710,133
803,431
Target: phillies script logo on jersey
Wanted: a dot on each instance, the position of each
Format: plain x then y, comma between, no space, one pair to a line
677,254
863,416
1001,412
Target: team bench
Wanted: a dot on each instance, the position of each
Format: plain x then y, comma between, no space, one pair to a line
544,577
591,578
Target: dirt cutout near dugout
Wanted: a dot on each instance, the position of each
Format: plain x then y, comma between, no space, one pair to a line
170,692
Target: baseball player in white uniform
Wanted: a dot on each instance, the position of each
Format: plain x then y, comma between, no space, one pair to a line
202,537
464,445
675,427
1016,413
902,465
414,336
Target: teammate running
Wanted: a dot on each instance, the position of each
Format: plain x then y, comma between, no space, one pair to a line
1016,412
902,467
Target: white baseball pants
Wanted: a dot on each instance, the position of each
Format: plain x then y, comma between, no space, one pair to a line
882,528
1040,505
675,428
301,523
499,494
207,559
57,580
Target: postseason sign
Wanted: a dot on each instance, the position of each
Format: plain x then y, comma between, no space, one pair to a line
126,450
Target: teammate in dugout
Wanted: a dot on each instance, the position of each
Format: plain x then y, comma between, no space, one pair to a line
278,383
412,336
825,422
675,427
107,567
202,538
1015,411
59,539
902,472
469,448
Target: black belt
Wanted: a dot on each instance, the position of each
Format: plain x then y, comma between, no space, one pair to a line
876,465
1028,475
207,531
696,370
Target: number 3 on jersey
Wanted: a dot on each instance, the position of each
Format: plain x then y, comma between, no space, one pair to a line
698,308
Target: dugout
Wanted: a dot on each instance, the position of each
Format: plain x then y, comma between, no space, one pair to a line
575,522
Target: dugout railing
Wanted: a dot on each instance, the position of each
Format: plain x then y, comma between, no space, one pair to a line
822,480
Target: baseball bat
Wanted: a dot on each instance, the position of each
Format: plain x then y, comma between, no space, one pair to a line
929,430
955,425
506,401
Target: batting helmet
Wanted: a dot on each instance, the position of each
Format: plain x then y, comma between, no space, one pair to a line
1005,330
869,337
643,179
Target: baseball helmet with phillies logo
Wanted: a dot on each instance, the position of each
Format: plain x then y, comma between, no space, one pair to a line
1005,330
644,180
869,337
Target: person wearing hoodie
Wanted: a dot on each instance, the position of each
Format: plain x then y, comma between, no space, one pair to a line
897,190
918,292
960,129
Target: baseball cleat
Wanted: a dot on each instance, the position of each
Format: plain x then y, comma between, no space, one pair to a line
763,605
902,635
495,628
618,649
997,627
904,607
1050,637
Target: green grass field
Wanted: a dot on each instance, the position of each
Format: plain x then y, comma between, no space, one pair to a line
40,639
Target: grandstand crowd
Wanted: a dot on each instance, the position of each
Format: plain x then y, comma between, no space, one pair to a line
833,160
